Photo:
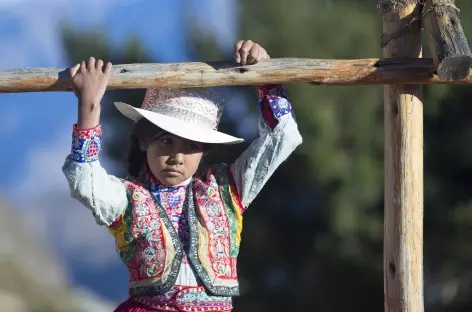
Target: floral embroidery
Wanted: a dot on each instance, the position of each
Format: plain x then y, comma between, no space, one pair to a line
146,228
86,144
210,202
172,200
280,106
223,288
160,222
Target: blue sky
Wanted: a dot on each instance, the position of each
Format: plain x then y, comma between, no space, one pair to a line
35,128
29,28
30,119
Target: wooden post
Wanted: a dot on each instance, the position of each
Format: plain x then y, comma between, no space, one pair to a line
403,132
446,39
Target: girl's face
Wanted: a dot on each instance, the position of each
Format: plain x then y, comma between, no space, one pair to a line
173,159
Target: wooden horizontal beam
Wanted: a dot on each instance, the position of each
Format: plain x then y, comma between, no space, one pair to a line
282,70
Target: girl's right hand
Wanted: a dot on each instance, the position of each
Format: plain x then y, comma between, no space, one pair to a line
89,81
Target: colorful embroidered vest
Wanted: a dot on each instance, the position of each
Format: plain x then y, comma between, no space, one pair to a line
150,247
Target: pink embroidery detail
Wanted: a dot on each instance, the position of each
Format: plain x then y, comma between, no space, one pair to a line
172,199
86,144
147,229
216,221
93,150
186,298
87,134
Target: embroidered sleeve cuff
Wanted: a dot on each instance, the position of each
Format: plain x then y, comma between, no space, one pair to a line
86,144
274,104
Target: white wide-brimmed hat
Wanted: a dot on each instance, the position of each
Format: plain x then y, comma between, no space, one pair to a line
190,113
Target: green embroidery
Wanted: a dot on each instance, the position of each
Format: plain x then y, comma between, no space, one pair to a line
128,222
150,271
225,192
129,253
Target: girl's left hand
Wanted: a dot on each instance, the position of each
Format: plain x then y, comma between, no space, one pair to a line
247,52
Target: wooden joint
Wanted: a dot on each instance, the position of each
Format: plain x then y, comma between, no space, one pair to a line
406,28
446,39
389,6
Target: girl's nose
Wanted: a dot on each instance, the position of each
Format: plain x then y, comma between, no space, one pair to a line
177,159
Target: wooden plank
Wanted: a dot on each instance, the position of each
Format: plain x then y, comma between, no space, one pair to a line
403,132
446,39
283,70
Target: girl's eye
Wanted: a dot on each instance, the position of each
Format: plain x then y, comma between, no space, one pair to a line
166,141
194,147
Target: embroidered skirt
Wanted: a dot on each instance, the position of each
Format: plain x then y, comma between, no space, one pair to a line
131,305
179,299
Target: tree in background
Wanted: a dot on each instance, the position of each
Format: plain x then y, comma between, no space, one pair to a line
313,237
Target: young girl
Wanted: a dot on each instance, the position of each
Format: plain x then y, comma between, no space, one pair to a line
177,231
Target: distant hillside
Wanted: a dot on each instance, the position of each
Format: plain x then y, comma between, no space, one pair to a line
31,280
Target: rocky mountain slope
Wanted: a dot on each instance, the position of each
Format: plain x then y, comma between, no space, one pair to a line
31,280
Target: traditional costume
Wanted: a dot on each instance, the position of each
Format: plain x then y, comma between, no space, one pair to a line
180,243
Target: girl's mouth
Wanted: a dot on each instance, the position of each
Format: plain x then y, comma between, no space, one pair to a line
172,172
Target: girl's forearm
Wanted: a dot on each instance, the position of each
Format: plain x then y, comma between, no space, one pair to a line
88,115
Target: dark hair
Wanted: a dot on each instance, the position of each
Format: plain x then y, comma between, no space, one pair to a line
143,130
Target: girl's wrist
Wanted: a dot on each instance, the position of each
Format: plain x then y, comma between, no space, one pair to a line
88,119
85,124
89,104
